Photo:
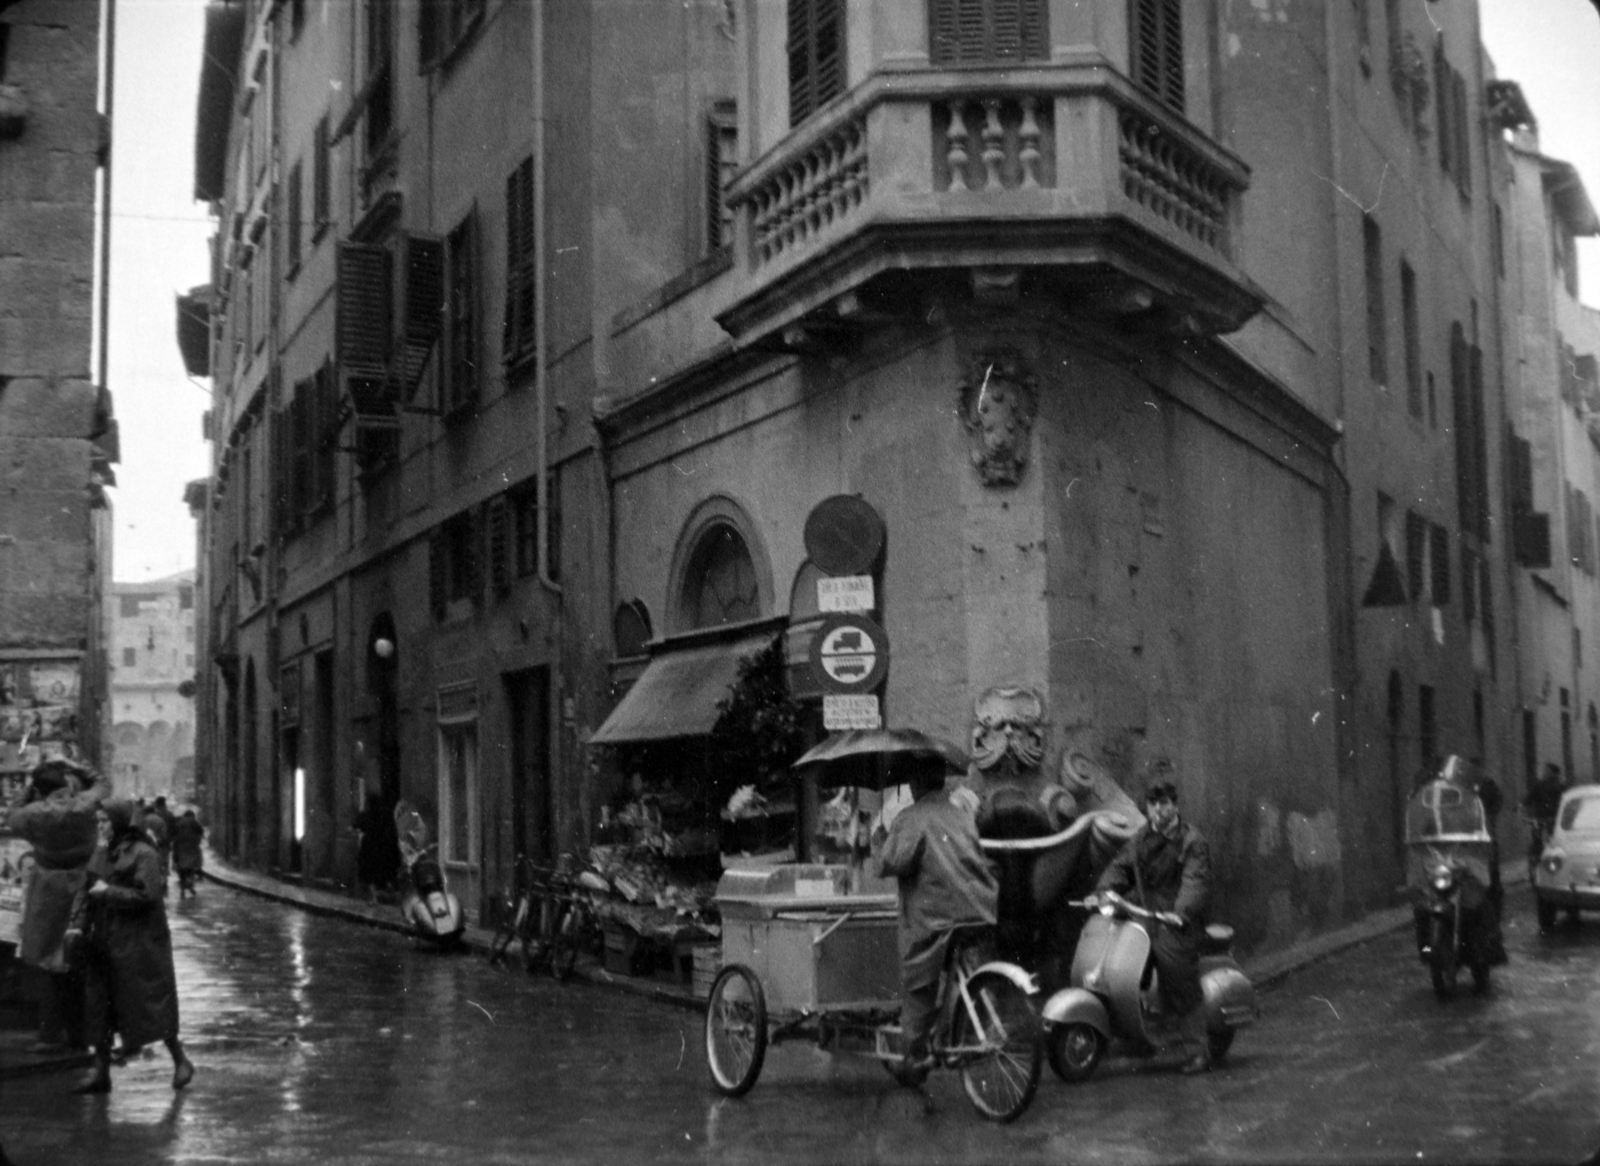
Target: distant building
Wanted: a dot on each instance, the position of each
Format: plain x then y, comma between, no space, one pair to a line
152,688
57,436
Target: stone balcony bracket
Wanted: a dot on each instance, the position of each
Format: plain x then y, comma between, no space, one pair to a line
1065,173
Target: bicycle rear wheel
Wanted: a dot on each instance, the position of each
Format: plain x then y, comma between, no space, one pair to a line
564,943
1004,1053
736,1030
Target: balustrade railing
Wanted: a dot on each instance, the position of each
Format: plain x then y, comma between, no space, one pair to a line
1172,179
821,186
1005,139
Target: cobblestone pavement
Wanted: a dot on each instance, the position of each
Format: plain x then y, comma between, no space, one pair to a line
322,1041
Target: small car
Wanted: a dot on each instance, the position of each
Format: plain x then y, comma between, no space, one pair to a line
1567,876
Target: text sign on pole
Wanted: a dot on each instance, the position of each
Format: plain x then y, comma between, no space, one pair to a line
849,653
846,593
842,711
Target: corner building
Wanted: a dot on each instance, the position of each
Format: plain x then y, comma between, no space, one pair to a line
539,335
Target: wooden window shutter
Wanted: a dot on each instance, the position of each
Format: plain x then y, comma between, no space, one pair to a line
1439,565
429,40
278,454
438,574
1469,583
1480,443
472,561
517,337
1416,553
1444,106
1463,131
816,55
364,332
979,31
424,305
461,339
325,434
498,514
300,451
1157,40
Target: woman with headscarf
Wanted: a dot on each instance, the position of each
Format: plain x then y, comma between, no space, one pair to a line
132,987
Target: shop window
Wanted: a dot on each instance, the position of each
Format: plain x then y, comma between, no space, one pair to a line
720,585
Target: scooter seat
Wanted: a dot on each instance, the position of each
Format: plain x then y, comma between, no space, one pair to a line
1218,938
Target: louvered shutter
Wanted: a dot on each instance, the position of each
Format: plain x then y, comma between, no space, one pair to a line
424,305
300,451
438,574
471,566
830,51
1158,50
325,434
498,513
1480,443
1463,126
800,73
428,34
1439,565
978,31
278,453
364,330
517,334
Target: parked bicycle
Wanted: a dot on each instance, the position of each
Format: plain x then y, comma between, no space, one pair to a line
549,914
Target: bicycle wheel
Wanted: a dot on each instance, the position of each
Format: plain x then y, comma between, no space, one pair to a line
1003,1055
736,1030
564,943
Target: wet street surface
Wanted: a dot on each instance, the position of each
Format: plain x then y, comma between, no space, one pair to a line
320,1041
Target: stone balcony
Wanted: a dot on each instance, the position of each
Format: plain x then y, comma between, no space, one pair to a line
1062,180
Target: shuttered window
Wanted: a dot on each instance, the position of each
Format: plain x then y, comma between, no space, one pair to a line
497,518
364,335
816,55
292,217
320,176
423,310
1377,331
1157,42
461,336
1416,553
964,32
1439,565
517,335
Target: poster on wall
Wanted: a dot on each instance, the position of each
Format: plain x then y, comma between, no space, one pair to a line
38,712
14,857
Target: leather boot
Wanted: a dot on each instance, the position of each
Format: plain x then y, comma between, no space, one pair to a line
1193,1028
99,1079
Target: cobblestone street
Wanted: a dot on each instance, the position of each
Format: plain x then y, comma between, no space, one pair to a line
319,1040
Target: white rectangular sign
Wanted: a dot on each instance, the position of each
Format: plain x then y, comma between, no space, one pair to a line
850,712
846,593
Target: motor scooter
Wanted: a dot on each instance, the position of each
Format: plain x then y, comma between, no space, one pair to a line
427,904
1449,859
1114,992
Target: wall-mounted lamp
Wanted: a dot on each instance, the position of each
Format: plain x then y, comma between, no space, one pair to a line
384,647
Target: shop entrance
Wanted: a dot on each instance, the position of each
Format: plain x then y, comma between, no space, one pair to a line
532,813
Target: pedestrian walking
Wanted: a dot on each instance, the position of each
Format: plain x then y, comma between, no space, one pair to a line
57,813
155,826
1541,804
133,989
187,856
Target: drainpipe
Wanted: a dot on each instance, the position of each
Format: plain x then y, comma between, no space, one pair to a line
541,370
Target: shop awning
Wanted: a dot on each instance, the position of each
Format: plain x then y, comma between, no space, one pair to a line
677,693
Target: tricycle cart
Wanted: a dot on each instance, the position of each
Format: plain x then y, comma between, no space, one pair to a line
810,954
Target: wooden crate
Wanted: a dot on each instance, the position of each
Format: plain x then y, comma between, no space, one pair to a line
707,963
626,952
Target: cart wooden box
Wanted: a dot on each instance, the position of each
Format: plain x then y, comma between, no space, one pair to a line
812,943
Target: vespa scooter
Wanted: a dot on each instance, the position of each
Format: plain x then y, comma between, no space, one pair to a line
428,905
1114,992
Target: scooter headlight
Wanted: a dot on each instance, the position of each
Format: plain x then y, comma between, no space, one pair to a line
1444,880
1551,863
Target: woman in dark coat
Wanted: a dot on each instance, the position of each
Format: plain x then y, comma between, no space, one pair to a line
132,987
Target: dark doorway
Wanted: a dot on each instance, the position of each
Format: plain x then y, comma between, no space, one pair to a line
1399,785
383,665
249,746
234,830
528,705
296,780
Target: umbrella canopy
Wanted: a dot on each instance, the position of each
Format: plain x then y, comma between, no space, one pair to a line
878,758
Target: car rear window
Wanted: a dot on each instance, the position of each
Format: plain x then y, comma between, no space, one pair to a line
1581,814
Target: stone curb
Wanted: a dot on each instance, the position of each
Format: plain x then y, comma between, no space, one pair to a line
1262,970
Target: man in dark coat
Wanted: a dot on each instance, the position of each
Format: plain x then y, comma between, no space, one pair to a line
1166,868
946,882
57,814
133,989
187,857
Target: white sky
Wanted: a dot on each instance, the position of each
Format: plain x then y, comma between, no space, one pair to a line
158,243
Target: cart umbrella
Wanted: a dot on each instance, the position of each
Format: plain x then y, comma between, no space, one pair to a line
876,758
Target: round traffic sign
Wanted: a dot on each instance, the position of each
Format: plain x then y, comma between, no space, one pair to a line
849,653
843,535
